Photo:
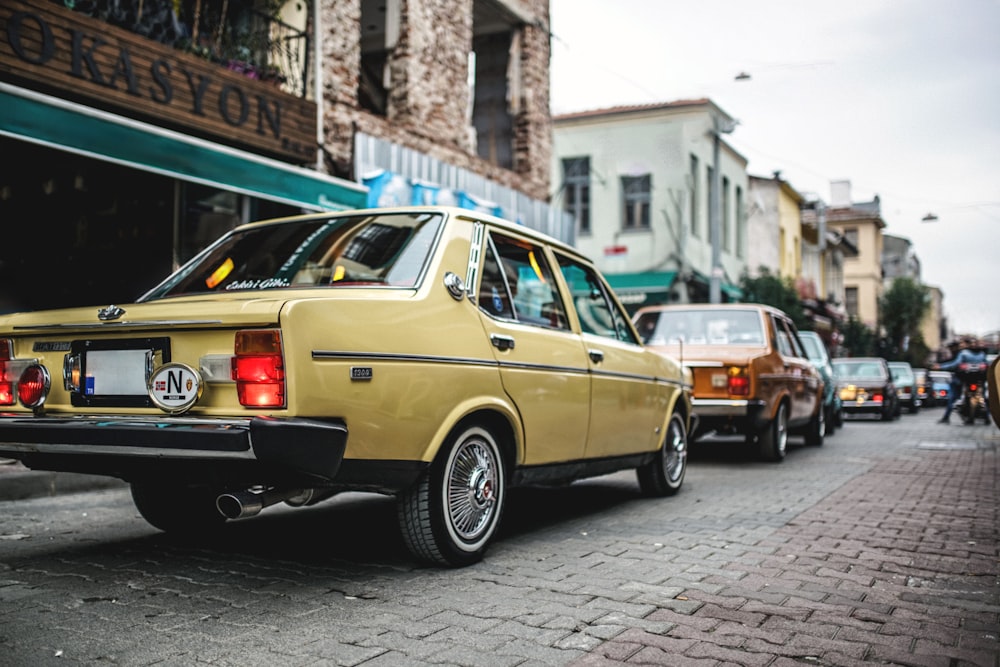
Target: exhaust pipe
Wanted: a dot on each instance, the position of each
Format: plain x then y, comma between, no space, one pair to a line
243,504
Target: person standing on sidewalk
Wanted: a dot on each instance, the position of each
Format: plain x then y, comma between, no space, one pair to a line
966,355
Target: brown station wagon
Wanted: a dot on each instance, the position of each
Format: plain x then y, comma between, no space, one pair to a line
751,373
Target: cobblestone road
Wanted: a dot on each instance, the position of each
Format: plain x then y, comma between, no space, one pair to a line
881,547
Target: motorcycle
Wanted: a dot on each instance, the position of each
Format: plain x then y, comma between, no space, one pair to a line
973,400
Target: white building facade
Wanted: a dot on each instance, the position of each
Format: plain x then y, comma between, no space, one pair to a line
639,181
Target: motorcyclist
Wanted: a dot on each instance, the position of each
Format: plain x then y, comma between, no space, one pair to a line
969,352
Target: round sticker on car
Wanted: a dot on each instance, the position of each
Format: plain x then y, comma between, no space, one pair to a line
174,388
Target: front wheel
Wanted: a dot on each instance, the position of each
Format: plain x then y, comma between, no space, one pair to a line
664,475
773,439
451,513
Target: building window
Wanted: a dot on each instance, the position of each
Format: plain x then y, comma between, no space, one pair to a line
741,224
851,301
726,226
576,191
380,25
851,235
636,198
695,192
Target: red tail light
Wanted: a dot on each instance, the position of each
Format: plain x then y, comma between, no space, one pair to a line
973,387
259,369
6,371
738,382
33,387
877,398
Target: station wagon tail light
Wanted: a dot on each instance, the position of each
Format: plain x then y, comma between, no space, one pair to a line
258,368
738,381
877,398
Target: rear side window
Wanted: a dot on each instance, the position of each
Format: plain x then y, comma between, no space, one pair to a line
597,311
517,284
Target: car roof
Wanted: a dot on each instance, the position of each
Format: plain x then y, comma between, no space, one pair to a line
449,211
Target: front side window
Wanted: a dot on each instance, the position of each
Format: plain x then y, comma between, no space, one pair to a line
637,201
383,250
517,284
598,313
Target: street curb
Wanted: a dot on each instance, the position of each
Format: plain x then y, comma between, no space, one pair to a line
20,483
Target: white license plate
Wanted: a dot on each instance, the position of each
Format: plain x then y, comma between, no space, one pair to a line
116,373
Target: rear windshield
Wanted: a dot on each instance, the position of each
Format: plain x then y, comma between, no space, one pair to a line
860,369
701,327
383,250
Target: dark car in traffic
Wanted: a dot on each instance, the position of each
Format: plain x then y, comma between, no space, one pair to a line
866,387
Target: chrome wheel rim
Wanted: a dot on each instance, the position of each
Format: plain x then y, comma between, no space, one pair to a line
675,454
782,430
473,488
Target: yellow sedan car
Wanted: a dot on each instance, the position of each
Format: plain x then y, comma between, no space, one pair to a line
434,354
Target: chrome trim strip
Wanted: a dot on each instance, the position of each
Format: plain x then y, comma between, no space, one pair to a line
117,325
147,452
416,358
704,364
382,356
720,402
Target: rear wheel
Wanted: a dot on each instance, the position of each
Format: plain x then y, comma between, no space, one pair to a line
664,475
452,512
773,439
176,508
816,430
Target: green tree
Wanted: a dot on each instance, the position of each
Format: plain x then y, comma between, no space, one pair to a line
772,290
901,310
859,340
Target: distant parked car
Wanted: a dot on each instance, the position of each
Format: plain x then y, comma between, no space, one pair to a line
751,374
906,385
816,351
923,384
940,386
866,387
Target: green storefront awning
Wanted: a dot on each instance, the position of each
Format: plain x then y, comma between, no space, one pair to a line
57,123
648,281
635,290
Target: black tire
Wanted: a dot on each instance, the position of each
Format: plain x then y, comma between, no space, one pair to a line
450,515
816,430
664,475
177,509
831,421
773,438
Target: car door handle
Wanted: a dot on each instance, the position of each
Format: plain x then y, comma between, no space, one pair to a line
596,356
502,343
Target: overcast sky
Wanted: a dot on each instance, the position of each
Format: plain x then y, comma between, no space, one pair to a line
900,97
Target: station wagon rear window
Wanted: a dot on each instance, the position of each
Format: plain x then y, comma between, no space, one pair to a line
387,250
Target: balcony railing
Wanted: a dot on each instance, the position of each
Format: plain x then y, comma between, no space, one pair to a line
242,35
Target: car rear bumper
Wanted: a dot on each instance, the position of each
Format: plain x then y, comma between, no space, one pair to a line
307,447
864,406
741,415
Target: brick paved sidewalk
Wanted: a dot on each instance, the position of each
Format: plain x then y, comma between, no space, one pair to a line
899,566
